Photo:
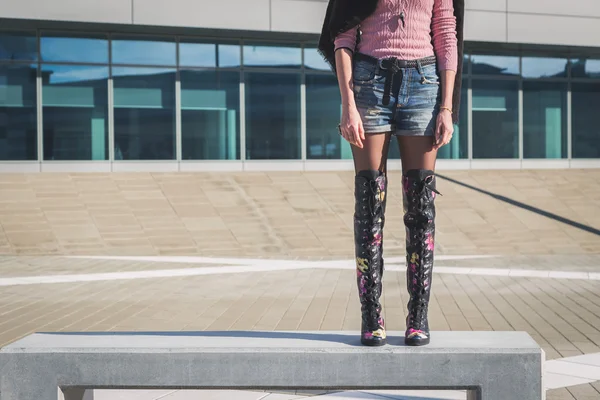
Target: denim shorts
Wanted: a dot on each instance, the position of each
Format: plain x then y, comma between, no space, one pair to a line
414,99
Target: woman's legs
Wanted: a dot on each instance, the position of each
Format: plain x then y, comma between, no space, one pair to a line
370,185
418,183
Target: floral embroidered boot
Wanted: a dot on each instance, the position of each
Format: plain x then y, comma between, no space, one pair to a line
419,219
369,215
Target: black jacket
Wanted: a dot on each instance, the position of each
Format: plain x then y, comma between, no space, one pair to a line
342,15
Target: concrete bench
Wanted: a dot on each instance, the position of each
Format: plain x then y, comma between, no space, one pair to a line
51,366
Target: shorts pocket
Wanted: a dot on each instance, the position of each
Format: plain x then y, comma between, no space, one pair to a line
429,75
363,72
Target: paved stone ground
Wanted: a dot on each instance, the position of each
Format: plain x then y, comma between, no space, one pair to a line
529,220
289,214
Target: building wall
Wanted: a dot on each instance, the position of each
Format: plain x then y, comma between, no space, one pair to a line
555,22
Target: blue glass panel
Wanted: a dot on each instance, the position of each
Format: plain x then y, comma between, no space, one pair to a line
83,49
323,111
210,117
495,119
144,51
584,68
75,110
197,54
313,60
272,56
229,55
18,112
272,116
543,67
494,65
544,119
586,130
144,112
18,46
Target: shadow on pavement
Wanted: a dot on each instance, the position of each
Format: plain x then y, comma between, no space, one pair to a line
527,207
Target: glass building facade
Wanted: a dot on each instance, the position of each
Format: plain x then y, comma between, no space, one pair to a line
120,97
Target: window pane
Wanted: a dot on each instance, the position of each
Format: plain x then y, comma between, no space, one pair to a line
198,54
270,56
494,65
323,111
495,119
18,46
544,120
583,68
586,130
313,60
272,116
144,51
85,49
229,55
538,67
144,113
459,145
210,103
18,112
75,103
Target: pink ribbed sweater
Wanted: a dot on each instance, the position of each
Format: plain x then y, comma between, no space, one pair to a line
408,30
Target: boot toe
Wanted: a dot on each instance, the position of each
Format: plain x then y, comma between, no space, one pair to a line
375,338
416,338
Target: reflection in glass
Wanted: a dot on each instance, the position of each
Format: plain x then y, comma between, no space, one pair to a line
323,111
494,65
210,103
269,56
229,55
75,103
459,145
144,113
18,112
144,51
313,60
583,68
82,49
539,67
18,46
544,120
197,54
495,119
585,98
272,116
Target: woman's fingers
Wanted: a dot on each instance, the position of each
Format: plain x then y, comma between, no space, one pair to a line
352,134
358,135
361,131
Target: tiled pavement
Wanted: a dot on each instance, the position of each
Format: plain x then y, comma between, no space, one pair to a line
530,220
289,214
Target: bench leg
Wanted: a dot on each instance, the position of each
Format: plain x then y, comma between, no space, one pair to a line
499,394
75,394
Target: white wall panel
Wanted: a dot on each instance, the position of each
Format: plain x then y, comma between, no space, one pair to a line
225,14
542,29
105,11
303,16
585,8
485,26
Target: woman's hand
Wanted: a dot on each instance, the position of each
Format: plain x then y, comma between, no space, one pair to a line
443,129
351,127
